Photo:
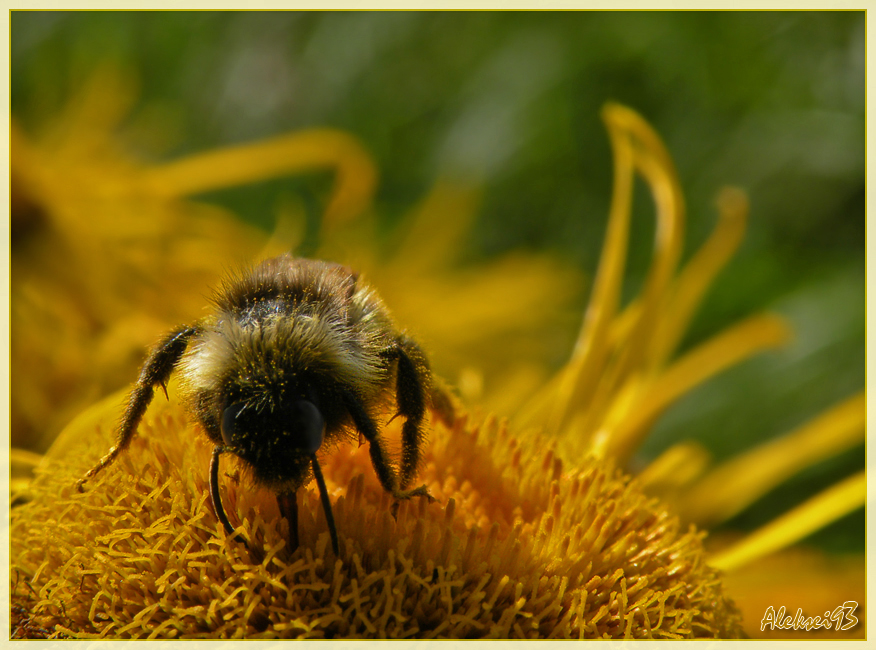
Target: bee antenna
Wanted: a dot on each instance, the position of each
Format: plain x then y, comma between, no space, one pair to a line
216,498
326,505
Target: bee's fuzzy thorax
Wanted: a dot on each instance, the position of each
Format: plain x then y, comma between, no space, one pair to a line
297,281
281,323
259,358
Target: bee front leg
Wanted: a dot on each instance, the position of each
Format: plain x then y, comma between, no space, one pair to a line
216,497
156,371
384,470
326,505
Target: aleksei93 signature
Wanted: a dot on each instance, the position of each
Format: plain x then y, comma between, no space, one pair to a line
840,619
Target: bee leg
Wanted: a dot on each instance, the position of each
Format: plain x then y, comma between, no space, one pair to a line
216,498
155,372
385,472
413,382
288,503
326,505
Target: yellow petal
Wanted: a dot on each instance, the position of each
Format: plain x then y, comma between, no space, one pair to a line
727,348
675,468
737,483
436,230
698,274
290,224
356,176
824,508
654,163
23,459
21,465
87,122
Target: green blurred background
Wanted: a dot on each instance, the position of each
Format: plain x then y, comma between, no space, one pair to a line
770,101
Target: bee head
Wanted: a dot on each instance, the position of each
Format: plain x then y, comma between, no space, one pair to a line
277,440
266,381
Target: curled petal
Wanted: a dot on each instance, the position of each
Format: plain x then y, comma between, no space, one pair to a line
302,151
636,147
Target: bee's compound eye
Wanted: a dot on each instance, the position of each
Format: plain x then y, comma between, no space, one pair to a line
229,422
306,425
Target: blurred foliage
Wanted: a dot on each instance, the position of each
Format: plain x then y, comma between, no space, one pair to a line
770,101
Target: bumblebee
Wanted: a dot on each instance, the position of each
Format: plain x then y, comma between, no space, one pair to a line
297,354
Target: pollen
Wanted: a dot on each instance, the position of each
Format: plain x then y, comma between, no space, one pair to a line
520,544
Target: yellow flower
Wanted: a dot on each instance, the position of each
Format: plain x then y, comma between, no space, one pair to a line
537,532
518,546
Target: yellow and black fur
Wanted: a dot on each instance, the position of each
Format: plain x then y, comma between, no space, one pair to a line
297,353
